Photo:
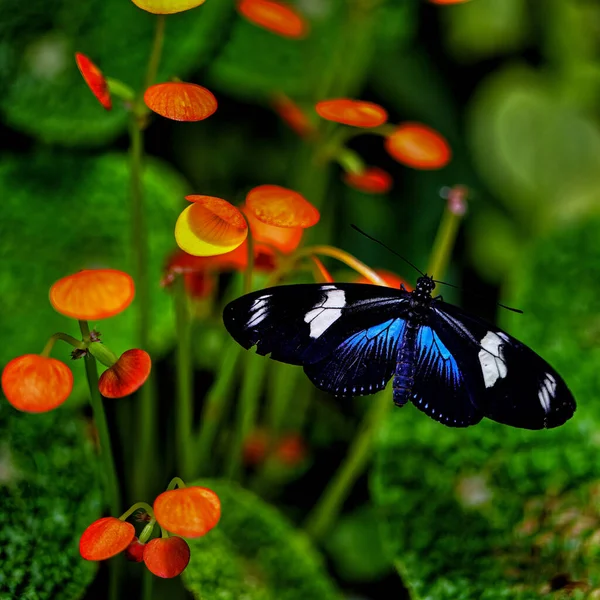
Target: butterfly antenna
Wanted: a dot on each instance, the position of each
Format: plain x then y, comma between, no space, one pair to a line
387,248
516,310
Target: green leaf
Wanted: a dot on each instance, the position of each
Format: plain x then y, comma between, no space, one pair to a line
254,553
63,213
49,484
46,96
492,511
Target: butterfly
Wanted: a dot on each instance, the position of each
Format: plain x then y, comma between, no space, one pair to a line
352,338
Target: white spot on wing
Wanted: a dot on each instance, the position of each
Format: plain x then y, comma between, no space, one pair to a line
546,392
490,357
259,310
324,315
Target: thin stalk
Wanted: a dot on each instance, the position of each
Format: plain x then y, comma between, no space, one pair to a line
215,405
320,519
185,381
156,51
65,337
250,261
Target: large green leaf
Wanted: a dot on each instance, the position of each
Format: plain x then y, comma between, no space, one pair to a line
49,484
62,213
491,511
45,94
254,553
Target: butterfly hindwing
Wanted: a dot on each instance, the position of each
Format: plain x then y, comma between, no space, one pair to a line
305,323
511,383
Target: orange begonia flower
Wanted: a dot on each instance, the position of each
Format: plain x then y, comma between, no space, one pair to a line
281,207
105,537
189,512
92,294
167,7
180,101
277,17
418,146
284,239
135,551
391,279
372,180
293,115
167,557
127,375
34,383
352,112
95,79
210,226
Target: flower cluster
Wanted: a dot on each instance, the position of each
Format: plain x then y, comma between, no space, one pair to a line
38,383
180,512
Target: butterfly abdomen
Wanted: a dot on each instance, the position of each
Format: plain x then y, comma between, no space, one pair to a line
404,375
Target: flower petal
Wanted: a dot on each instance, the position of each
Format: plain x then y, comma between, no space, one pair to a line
357,113
92,294
34,383
391,279
167,557
418,146
277,17
95,79
127,375
284,239
281,207
210,226
372,180
180,101
189,512
167,7
135,551
105,537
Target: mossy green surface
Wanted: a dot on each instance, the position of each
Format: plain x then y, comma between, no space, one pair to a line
46,97
254,553
496,512
50,492
62,213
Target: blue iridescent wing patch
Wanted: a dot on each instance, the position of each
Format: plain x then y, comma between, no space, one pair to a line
361,364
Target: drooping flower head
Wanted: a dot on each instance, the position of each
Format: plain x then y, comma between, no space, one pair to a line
281,207
167,7
127,375
95,79
356,113
166,557
418,146
372,180
278,17
180,101
105,537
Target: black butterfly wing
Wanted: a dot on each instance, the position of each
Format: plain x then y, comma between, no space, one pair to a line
441,388
305,323
509,382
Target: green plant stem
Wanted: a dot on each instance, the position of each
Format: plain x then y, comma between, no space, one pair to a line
156,51
185,382
65,337
320,519
252,381
250,261
215,405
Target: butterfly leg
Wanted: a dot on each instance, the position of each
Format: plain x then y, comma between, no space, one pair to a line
404,375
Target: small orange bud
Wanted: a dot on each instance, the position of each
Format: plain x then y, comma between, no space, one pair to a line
135,551
34,383
281,207
105,537
210,226
95,79
127,375
92,294
352,112
391,279
180,101
189,512
293,115
277,17
372,180
418,146
167,557
291,450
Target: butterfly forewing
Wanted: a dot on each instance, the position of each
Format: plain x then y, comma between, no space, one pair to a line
509,382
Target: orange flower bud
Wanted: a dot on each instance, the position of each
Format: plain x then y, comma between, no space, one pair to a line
418,146
281,207
127,375
372,180
95,79
92,294
180,101
352,112
189,512
210,226
291,450
105,537
277,17
135,551
34,383
167,557
293,115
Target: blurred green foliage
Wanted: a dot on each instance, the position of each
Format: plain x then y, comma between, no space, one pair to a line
49,493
